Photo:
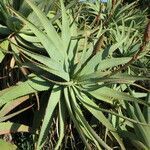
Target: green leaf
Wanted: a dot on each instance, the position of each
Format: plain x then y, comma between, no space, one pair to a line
50,64
110,95
91,65
9,127
66,94
50,30
147,109
7,146
112,62
66,35
62,116
93,108
43,38
23,88
52,103
29,38
3,47
86,125
4,30
2,119
11,105
1,56
141,131
117,78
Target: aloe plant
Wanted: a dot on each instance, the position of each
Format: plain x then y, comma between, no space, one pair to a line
78,77
138,133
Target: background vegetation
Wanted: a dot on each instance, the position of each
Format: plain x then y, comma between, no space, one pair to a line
74,75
